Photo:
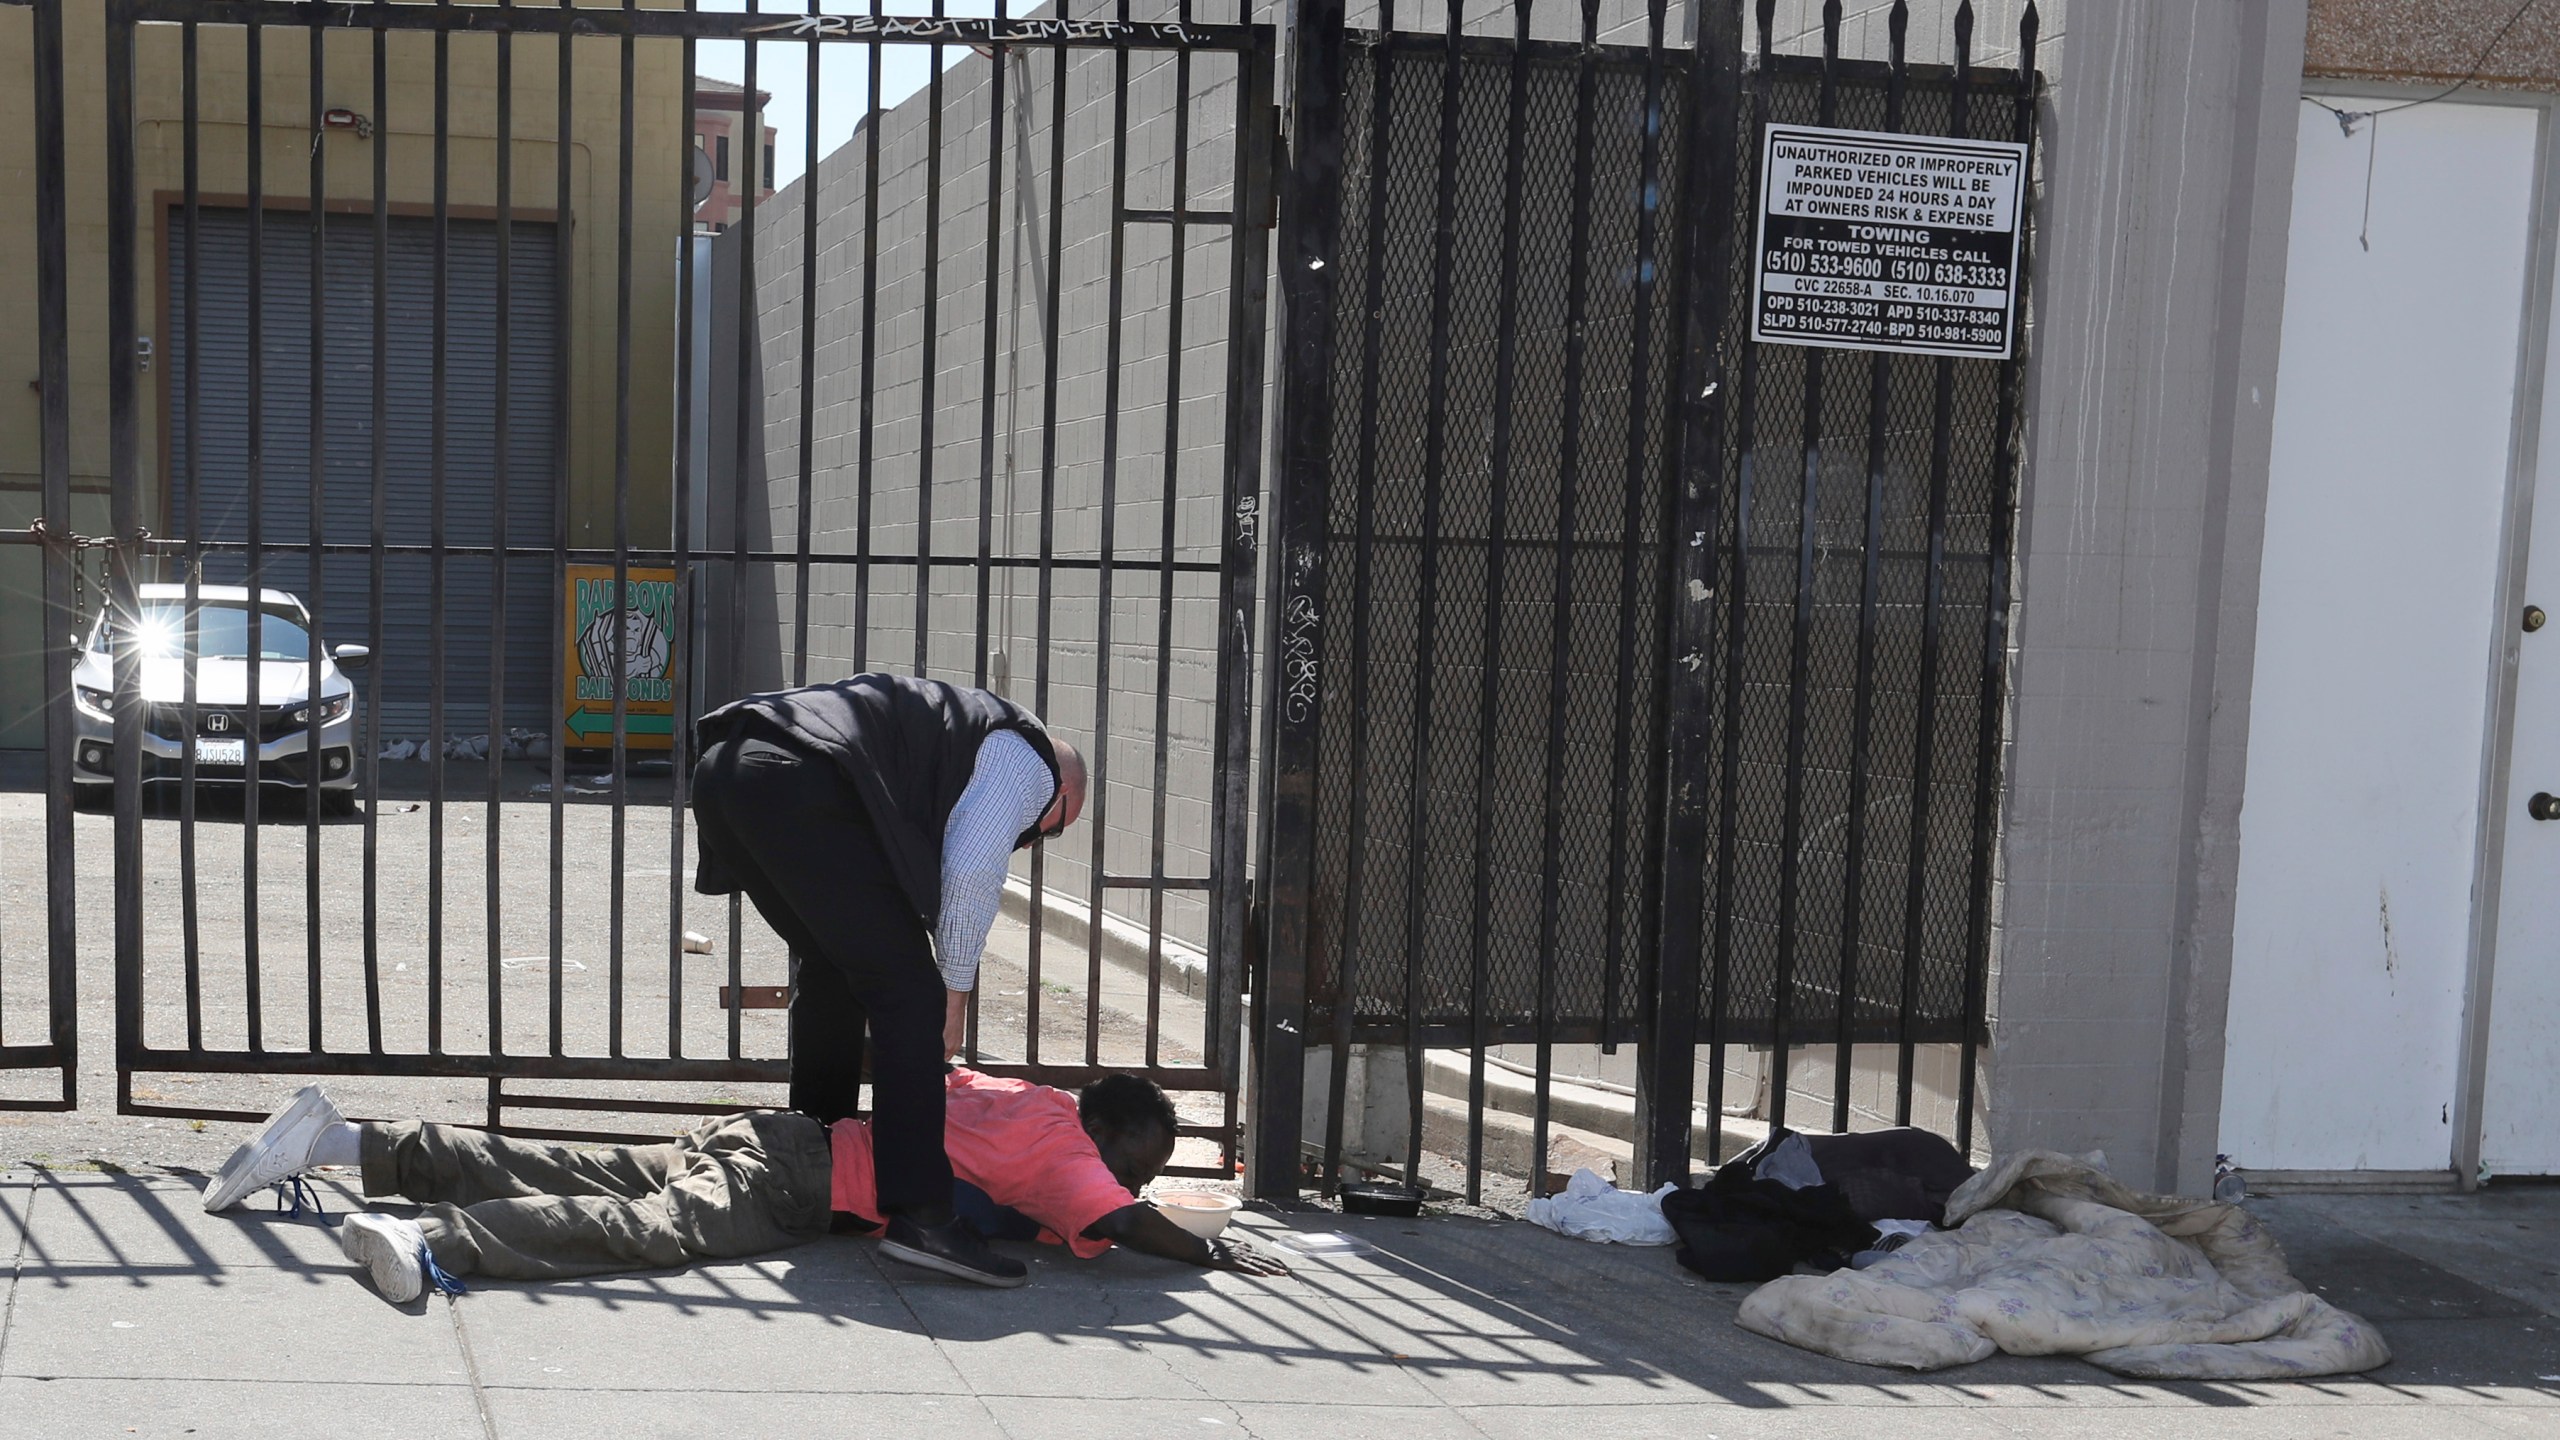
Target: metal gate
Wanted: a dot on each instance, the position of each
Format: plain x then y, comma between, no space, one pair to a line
482,920
1633,681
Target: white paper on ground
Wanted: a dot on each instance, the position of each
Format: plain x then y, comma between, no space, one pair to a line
1593,1209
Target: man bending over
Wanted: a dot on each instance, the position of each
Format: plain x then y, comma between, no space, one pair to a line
1030,1162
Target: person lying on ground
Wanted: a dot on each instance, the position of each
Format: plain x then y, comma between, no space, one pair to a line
1029,1161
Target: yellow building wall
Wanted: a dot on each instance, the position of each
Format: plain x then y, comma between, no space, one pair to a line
406,126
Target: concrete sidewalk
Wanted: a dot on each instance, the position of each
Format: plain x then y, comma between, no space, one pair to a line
131,1312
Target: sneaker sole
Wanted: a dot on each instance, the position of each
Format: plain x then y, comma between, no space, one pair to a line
924,1261
229,1186
391,1271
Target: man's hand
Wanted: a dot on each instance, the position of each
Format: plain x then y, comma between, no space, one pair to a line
1143,1228
955,1021
1243,1259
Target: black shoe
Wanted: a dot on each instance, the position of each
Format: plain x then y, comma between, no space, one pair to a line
952,1248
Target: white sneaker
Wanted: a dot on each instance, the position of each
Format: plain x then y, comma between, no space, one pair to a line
280,1151
390,1249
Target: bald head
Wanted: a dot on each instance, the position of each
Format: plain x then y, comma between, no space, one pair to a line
1062,812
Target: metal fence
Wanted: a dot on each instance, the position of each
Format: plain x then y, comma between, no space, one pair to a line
359,351
1632,680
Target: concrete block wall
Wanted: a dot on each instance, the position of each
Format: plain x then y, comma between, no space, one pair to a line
998,442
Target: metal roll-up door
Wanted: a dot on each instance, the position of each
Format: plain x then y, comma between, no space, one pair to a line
221,480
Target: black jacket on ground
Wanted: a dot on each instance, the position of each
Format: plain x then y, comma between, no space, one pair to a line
909,746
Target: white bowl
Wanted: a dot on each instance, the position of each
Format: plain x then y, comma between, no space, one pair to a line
1203,1213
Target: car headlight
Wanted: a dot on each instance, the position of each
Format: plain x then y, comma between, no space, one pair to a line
94,701
330,709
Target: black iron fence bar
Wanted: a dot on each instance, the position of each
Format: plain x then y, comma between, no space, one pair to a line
1499,48
1435,450
1099,791
743,437
682,523
1568,504
1643,395
162,545
1932,618
563,294
1515,159
1218,218
751,25
438,456
1364,472
250,930
641,1105
190,912
1800,653
1248,266
492,861
1310,186
1693,494
317,469
619,650
750,146
1179,251
928,368
1737,586
124,505
870,352
1989,720
379,523
1051,353
549,1068
1862,703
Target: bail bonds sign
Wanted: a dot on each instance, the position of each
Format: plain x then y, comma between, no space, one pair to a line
1875,241
643,621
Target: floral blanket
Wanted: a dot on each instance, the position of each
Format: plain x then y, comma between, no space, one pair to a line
2050,1255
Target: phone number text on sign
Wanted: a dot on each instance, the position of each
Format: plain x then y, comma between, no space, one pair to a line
1874,241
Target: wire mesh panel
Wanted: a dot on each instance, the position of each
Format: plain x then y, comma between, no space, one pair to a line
1863,536
1634,679
1507,597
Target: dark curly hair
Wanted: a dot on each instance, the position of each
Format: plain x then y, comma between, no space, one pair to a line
1125,1104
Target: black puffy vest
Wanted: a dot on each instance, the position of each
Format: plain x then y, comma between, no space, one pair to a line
909,747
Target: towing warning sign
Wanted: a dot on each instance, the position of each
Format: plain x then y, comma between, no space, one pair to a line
1875,241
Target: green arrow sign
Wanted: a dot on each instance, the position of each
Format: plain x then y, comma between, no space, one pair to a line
583,722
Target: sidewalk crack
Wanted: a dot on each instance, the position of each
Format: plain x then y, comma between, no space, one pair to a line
471,1369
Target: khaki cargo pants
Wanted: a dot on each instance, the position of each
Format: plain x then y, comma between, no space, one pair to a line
522,1210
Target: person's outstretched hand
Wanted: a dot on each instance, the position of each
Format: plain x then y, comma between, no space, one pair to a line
955,1021
1243,1259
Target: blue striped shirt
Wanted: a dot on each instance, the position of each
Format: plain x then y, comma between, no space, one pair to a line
1009,790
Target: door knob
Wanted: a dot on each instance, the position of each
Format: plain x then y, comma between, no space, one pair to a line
2543,806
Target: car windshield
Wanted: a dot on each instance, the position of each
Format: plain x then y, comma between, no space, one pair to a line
222,633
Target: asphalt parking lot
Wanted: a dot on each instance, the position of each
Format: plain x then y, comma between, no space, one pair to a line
415,927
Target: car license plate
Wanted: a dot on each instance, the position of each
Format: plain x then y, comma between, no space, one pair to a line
222,752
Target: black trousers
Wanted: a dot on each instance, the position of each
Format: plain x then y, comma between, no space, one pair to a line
791,831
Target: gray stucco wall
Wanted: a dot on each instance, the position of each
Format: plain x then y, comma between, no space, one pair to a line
990,433
2168,174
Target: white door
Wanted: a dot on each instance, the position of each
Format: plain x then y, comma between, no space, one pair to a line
2377,618
2520,1114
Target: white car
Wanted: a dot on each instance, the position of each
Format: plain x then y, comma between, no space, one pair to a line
224,726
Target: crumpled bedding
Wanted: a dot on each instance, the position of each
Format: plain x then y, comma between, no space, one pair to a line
2050,1255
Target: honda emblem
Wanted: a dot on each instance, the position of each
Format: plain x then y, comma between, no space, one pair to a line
217,722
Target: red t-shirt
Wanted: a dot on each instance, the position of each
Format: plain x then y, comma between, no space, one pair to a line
1019,1142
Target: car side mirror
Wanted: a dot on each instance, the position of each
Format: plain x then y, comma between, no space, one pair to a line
352,657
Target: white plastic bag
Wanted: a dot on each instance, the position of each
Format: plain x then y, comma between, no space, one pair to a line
1593,1209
